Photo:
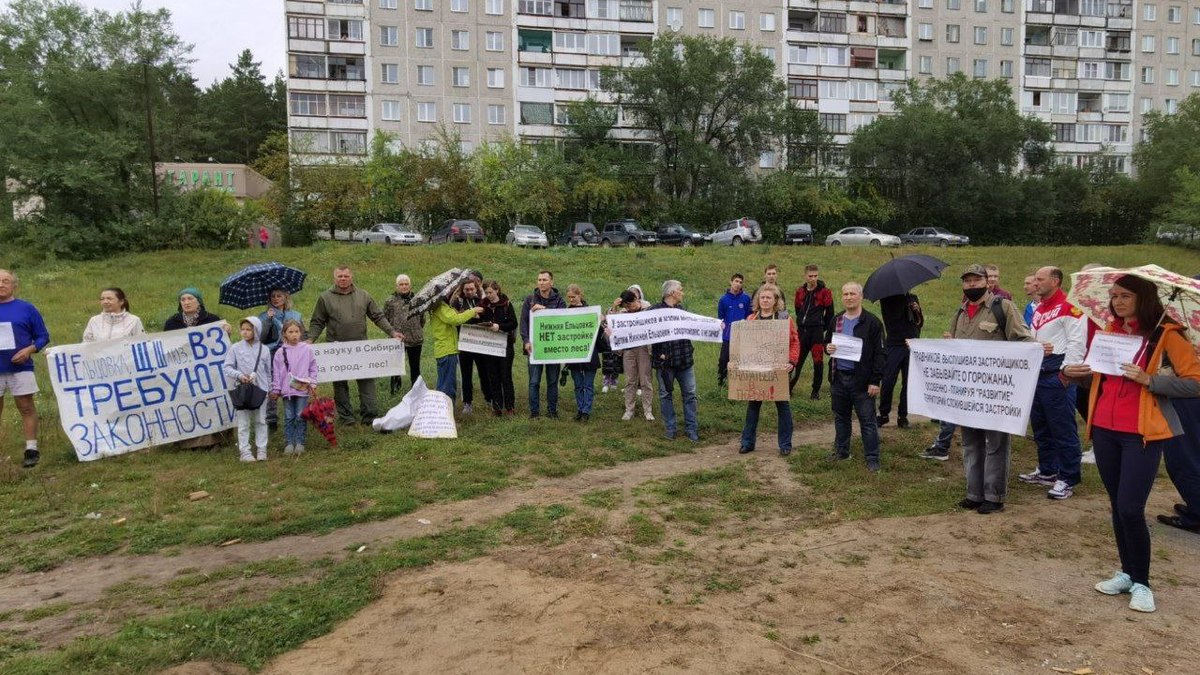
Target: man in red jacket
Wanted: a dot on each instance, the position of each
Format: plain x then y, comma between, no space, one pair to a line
814,317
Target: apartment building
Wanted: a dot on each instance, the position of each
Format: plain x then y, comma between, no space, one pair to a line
484,68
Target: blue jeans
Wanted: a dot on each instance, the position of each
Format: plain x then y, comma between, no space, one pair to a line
750,428
585,389
1054,430
293,425
447,376
535,386
1128,467
945,437
1182,457
667,377
846,400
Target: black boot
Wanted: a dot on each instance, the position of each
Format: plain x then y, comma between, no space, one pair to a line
31,459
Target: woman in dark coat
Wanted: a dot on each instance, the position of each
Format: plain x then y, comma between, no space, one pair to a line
191,312
498,315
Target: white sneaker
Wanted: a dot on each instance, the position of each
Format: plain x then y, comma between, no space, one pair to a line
299,449
639,391
649,416
1118,584
1142,600
262,456
604,389
289,449
466,409
1089,457
245,456
1060,490
627,416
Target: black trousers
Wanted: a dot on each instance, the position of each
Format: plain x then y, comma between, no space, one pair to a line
896,368
811,340
495,374
467,362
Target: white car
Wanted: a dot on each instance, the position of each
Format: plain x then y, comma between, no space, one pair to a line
861,236
527,235
391,233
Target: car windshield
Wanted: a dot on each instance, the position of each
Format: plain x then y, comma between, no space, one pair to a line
630,227
797,228
871,230
527,229
938,230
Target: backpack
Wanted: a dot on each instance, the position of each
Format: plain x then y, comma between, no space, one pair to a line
997,311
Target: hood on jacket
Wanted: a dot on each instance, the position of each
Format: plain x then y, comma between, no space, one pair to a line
638,288
258,327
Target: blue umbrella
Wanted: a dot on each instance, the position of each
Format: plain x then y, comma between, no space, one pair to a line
252,285
900,275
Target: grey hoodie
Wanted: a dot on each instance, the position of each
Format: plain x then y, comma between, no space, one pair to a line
241,359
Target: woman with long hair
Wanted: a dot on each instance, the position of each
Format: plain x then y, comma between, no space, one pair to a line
498,315
1132,418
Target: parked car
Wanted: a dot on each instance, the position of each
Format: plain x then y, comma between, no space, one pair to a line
579,234
861,236
798,233
737,232
527,235
1178,234
626,232
676,234
458,230
391,233
936,236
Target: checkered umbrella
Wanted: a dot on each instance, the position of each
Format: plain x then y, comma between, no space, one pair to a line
252,286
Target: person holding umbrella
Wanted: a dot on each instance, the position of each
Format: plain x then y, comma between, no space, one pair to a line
444,321
1132,415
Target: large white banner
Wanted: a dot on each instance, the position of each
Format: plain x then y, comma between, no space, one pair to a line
358,360
480,340
981,384
123,395
661,325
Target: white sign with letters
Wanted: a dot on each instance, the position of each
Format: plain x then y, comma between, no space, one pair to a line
849,348
480,340
1109,351
358,360
652,326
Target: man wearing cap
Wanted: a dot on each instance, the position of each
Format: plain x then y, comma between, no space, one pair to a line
983,316
22,334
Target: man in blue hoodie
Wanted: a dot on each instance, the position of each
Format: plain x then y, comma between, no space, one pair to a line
22,334
733,306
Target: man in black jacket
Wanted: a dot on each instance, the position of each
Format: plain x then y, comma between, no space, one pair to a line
903,319
855,384
545,296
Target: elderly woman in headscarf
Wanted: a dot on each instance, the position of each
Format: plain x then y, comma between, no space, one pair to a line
191,312
114,321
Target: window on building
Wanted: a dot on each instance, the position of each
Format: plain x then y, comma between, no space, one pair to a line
462,113
1006,37
1089,70
737,20
952,31
1146,105
1115,133
494,7
459,5
389,36
952,65
604,44
345,29
1091,38
979,68
390,111
834,56
425,76
423,5
675,16
1037,67
804,89
349,142
570,42
1149,12
388,4
494,41
495,113
767,160
1170,106
1172,77
460,40
1006,69
460,77
1196,47
1064,132
925,65
1008,6
831,23
537,113
1147,44
862,90
306,104
311,66
1196,15
425,38
953,4
1172,45
706,18
833,89
306,28
536,77
981,6
426,112
981,35
857,121
603,9
862,57
766,22
1116,102
1147,74
925,32
495,78
346,68
834,123
1196,78
347,105
1174,14
925,4
768,52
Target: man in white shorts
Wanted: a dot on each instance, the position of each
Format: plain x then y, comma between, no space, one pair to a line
22,333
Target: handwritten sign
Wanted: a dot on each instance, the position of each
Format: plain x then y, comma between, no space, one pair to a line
648,327
358,360
434,417
479,340
563,335
758,357
119,396
1109,351
982,384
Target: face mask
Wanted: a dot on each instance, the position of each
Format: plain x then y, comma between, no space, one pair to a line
974,294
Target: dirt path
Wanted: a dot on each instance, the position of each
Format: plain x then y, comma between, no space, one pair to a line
86,580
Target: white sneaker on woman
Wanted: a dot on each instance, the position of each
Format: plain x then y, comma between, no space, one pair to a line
627,416
649,416
1143,598
1120,583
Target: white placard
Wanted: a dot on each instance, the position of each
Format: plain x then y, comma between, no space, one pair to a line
1109,351
434,417
849,348
648,327
480,340
122,395
982,384
7,339
358,360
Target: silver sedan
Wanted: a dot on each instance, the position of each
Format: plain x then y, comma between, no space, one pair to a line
391,233
527,235
861,236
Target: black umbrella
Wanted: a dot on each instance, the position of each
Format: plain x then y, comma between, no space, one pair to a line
251,286
900,275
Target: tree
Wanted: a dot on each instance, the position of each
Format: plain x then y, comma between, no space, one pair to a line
518,182
240,111
708,106
602,174
952,156
1183,208
1171,146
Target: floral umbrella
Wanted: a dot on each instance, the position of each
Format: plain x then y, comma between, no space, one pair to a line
1180,295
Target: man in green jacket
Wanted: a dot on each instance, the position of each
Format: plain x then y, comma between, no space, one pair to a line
343,310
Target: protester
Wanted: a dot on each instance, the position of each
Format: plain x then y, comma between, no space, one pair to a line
1181,454
544,296
584,374
853,386
498,315
940,448
192,312
993,283
469,297
771,276
22,334
902,321
396,309
114,320
1030,288
674,362
983,316
344,309
1062,330
769,305
1132,419
248,362
279,310
635,360
444,321
294,378
814,318
1081,394
734,306
264,237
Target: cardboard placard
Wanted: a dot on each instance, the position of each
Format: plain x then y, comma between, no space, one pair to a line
758,358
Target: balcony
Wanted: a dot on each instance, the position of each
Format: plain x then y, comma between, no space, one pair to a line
540,41
636,10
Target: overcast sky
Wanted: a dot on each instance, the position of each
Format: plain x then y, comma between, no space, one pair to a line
219,30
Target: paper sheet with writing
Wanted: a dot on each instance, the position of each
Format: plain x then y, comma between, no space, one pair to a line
434,417
849,348
480,340
1109,350
7,339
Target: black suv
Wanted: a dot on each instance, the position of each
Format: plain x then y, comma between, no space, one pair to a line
579,234
798,233
676,234
626,232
